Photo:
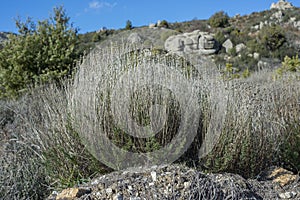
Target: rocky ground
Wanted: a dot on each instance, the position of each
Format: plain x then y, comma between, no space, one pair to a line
179,182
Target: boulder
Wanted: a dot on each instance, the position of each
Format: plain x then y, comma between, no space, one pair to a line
240,47
227,45
196,42
152,25
256,55
278,16
134,38
281,5
72,193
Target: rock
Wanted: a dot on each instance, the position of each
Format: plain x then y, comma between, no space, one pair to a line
118,196
297,24
158,23
180,182
227,45
281,5
152,25
278,15
240,47
261,25
72,193
134,38
281,176
287,195
256,55
153,175
196,42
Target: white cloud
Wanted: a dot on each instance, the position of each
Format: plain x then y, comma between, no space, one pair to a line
100,4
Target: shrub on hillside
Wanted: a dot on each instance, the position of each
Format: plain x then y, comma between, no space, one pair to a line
272,37
40,53
219,19
128,25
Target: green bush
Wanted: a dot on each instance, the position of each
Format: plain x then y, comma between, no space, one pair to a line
128,25
219,19
272,37
164,24
220,37
288,65
40,53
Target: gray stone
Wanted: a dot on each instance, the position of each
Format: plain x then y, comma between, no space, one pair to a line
240,47
261,25
256,55
281,5
153,175
287,195
118,196
152,25
277,15
227,45
197,42
134,38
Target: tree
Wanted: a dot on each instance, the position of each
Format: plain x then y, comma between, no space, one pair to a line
128,25
272,37
39,53
164,24
219,19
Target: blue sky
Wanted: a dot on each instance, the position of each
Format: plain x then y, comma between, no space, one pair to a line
91,15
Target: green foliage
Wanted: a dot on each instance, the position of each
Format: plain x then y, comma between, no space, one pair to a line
272,37
164,24
128,25
237,36
220,37
219,19
67,167
40,53
246,73
288,65
230,72
290,148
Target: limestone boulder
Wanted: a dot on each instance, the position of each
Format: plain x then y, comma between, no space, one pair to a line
134,38
227,45
281,5
197,42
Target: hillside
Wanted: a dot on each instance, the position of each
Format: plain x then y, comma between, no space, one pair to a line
245,35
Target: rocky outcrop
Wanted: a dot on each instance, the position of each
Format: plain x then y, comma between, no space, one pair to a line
240,47
281,5
134,38
179,182
227,45
196,42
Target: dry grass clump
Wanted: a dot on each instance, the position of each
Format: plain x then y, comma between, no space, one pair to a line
262,115
254,122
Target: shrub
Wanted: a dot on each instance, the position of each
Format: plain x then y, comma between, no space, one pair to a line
164,24
128,25
288,65
272,37
230,72
262,117
41,53
220,37
219,19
